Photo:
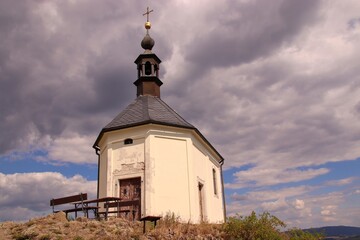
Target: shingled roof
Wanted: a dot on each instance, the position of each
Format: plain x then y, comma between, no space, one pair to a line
147,109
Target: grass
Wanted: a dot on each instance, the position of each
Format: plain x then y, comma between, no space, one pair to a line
170,226
21,236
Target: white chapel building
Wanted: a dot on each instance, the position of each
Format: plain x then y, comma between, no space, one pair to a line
152,156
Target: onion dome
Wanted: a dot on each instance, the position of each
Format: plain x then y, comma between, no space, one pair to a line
147,43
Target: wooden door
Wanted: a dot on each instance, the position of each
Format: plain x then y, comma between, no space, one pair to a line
130,194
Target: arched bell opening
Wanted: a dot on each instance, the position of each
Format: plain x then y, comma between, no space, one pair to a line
140,70
156,68
148,68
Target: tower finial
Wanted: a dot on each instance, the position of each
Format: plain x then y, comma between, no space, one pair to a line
147,43
147,24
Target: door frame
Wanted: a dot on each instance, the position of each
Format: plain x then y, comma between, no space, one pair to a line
140,179
201,194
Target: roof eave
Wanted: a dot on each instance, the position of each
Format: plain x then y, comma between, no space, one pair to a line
105,130
147,55
211,146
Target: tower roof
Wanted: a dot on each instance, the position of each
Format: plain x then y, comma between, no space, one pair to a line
147,109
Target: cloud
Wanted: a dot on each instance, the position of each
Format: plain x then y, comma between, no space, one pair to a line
257,70
299,204
58,75
341,182
329,213
276,89
259,176
235,36
328,210
274,206
267,195
25,195
73,148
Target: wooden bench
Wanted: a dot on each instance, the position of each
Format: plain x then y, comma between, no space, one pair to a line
117,205
153,219
77,200
114,211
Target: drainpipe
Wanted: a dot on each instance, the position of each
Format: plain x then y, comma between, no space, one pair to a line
222,188
97,152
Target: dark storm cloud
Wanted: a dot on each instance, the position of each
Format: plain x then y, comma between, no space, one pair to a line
239,34
249,30
63,64
68,67
15,73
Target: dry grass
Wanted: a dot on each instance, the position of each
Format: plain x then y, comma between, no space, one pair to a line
57,227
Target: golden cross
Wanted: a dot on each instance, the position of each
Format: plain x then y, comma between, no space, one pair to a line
147,13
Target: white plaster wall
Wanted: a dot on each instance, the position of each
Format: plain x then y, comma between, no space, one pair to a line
103,173
127,161
170,192
148,187
203,165
120,161
170,162
125,155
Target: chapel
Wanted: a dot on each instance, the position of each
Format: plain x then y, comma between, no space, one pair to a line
149,155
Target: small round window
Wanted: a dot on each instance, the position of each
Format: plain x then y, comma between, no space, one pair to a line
128,141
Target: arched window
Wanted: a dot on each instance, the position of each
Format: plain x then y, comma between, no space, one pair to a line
147,68
139,68
128,141
156,68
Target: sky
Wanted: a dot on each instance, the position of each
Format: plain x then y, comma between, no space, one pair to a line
273,85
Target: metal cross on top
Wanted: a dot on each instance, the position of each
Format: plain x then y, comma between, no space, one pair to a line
147,13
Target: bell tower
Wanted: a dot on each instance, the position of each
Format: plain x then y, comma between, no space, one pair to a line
148,82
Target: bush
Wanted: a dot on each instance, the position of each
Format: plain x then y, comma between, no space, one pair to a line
262,227
253,227
298,234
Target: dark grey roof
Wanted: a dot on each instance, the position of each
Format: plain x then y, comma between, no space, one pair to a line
147,109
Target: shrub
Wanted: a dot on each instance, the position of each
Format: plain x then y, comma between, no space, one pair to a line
262,227
298,234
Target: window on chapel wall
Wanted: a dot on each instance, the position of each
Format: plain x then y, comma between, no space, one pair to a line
128,141
214,181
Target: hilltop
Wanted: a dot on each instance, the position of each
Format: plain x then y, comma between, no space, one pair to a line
56,226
